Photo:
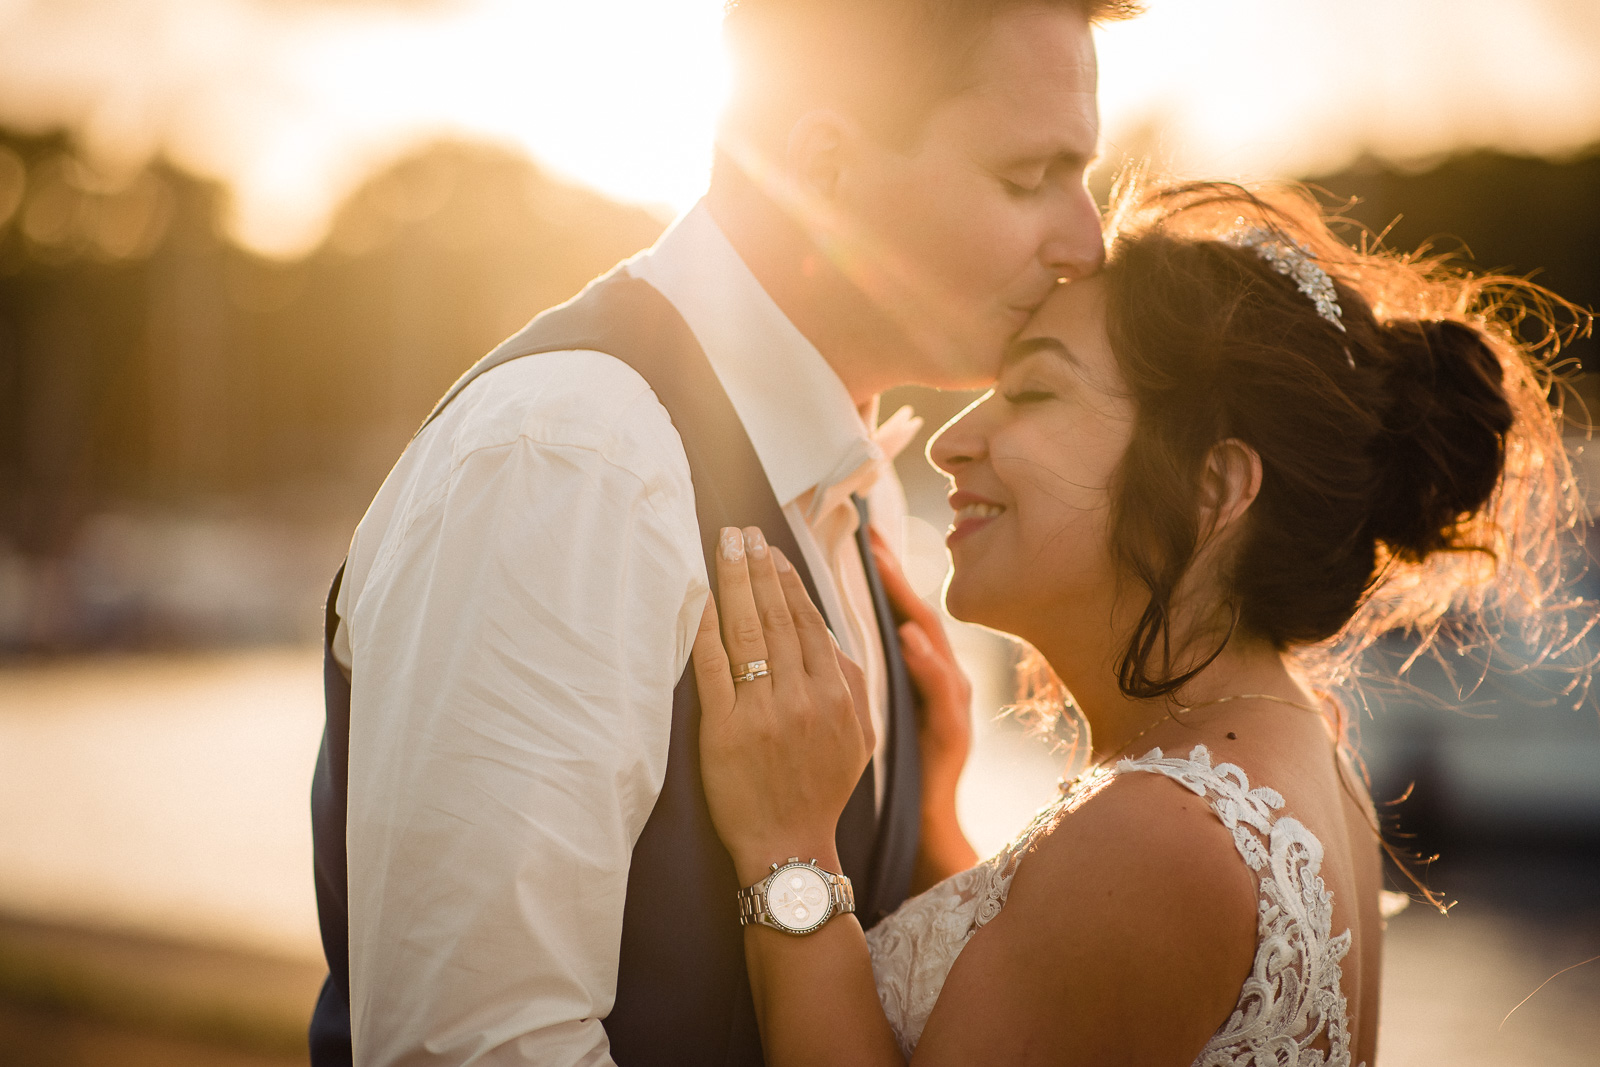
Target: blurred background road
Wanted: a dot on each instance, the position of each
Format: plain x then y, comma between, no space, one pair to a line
156,905
244,245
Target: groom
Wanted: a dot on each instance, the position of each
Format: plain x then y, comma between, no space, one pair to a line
514,860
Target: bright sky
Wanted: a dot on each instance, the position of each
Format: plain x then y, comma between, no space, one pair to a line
292,102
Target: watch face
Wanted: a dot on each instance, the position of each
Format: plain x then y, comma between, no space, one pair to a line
797,899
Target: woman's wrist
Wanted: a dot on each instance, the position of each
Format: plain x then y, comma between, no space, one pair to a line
939,784
943,848
754,862
942,766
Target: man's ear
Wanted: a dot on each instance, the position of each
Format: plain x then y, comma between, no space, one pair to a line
1230,484
816,152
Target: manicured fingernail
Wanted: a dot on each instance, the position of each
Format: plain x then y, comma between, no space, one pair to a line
781,562
732,544
755,543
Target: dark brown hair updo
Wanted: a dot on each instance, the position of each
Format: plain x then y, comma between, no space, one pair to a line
1412,464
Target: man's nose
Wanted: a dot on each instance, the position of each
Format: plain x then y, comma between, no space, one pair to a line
1075,248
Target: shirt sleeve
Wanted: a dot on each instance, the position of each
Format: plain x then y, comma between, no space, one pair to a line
526,603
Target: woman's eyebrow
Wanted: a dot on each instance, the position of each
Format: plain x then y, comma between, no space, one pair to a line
1027,346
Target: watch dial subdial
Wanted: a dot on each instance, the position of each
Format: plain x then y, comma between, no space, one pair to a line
797,898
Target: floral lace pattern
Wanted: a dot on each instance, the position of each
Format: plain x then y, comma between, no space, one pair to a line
1291,1011
914,948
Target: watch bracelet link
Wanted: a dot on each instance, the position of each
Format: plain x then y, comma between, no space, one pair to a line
753,899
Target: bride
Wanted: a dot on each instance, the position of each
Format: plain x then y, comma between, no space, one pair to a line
1203,477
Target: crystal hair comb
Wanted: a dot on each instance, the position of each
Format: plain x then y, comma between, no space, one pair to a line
1293,260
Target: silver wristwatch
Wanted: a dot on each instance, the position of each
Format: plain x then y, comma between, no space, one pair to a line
796,898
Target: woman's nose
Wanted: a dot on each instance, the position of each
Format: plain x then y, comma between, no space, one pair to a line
961,440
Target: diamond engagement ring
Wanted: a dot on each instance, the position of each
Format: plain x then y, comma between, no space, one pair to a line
749,672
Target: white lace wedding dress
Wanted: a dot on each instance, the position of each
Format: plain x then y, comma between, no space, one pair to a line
1291,1011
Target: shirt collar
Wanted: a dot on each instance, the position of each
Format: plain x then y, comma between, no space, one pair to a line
805,429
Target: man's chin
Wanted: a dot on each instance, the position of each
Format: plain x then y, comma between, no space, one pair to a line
970,370
969,361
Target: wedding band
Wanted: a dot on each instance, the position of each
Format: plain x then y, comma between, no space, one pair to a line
749,672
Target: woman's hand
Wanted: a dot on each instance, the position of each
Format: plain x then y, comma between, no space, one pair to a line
944,726
779,754
944,723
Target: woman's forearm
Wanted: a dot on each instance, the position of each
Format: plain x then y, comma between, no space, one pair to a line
815,998
780,759
814,994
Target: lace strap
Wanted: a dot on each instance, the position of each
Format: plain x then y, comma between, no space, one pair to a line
1247,813
1292,1006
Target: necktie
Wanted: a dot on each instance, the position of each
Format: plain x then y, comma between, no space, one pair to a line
885,870
839,519
858,823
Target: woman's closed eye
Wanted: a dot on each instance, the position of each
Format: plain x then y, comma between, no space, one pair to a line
1031,393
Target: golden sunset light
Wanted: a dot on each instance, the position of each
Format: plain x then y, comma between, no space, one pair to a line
1297,419
1260,88
291,104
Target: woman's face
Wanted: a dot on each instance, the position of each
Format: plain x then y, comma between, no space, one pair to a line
1032,465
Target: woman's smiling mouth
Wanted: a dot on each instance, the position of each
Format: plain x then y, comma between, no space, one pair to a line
972,512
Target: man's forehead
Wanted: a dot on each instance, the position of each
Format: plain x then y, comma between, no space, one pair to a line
1034,125
1027,45
1041,85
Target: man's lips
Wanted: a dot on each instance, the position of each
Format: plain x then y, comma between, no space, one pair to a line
1033,301
972,513
1022,315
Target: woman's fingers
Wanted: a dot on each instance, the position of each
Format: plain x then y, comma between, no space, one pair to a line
826,664
934,671
855,679
945,712
783,654
742,635
816,642
904,600
710,660
916,648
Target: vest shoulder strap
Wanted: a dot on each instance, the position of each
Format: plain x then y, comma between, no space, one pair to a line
627,318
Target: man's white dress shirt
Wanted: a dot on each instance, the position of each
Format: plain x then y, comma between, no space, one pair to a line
518,606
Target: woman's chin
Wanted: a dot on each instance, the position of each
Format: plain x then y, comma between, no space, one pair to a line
994,605
965,601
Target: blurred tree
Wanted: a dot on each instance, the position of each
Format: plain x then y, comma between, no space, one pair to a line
144,359
1515,214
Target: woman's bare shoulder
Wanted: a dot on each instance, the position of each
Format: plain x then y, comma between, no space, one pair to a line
1147,858
1133,920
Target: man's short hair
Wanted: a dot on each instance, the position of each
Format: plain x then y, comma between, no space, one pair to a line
888,63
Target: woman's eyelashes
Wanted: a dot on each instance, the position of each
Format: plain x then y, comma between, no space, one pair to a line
1030,393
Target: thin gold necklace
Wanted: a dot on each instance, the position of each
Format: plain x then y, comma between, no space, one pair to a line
1100,765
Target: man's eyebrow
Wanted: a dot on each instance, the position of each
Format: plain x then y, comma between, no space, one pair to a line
1061,157
1027,346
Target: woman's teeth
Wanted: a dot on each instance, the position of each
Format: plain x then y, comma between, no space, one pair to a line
977,511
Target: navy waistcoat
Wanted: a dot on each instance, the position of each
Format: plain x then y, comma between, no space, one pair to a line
683,995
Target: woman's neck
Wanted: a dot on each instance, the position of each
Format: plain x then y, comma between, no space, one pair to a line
1118,722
